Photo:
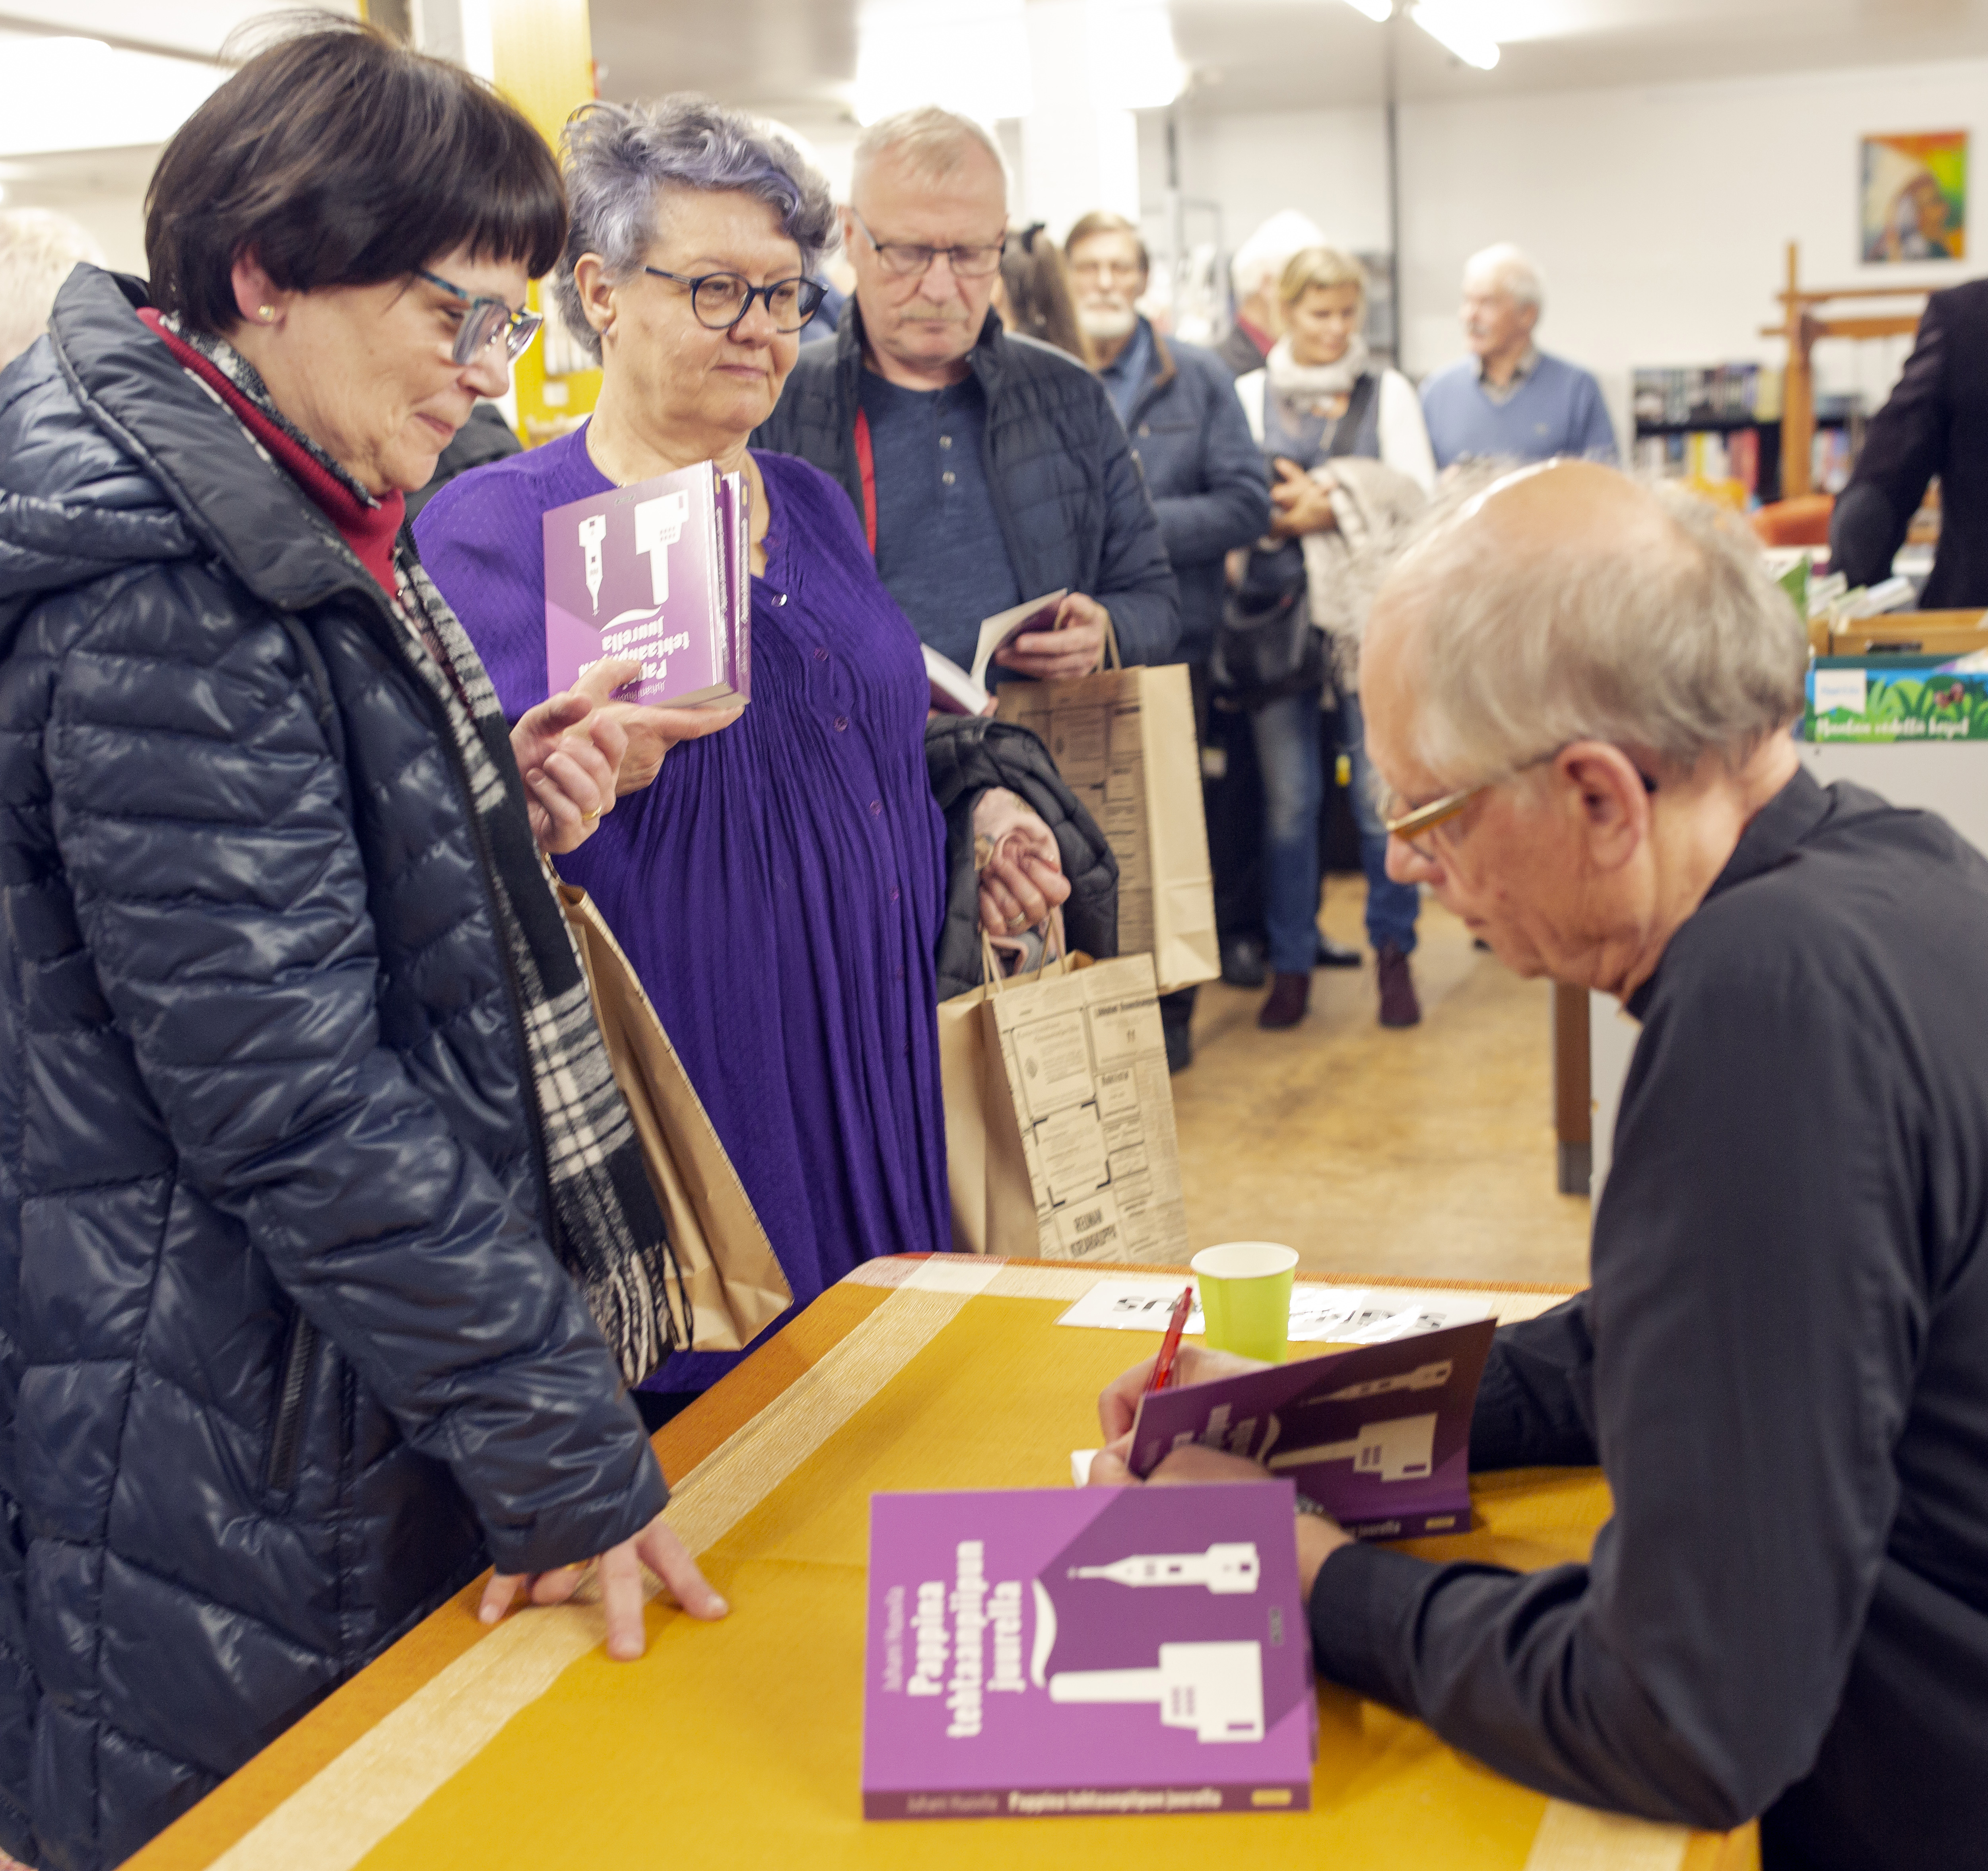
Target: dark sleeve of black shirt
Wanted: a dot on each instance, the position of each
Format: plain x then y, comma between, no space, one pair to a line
1905,446
1745,1356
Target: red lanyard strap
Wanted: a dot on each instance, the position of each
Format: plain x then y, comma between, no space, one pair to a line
866,465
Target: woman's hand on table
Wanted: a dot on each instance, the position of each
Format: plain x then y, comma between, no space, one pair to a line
621,1597
1072,645
569,752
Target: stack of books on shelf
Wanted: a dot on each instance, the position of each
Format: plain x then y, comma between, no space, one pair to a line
1703,424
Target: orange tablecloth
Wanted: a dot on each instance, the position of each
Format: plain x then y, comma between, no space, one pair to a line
738,1744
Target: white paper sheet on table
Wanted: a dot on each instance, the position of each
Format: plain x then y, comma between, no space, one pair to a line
1345,1315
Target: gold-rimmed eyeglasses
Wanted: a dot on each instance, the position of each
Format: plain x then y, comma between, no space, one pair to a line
1400,820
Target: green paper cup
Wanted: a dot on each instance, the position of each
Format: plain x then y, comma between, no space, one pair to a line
1245,1298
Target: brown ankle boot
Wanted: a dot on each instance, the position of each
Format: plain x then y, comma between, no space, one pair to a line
1290,994
1399,1007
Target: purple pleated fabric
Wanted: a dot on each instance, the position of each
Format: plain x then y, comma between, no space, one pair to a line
779,888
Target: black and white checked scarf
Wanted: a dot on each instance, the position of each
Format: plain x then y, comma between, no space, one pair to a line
607,1227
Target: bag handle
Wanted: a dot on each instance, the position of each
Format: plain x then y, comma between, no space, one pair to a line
1112,658
990,963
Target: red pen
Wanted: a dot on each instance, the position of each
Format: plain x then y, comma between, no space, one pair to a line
1163,1365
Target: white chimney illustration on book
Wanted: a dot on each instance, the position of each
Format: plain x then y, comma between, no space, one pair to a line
1214,1689
659,523
1400,1451
592,530
1225,1568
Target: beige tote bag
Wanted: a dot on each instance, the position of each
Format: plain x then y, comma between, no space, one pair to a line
1123,741
734,1284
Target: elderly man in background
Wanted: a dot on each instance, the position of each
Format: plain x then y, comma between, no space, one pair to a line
1509,400
985,469
1203,470
1581,694
38,248
1254,274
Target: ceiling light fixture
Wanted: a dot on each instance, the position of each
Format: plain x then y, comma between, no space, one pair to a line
1133,58
1380,12
1446,23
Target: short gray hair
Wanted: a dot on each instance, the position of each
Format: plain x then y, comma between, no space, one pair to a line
1678,653
1512,271
38,249
1262,258
931,143
620,159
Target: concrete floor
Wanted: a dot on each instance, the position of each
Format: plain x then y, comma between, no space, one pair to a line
1425,1151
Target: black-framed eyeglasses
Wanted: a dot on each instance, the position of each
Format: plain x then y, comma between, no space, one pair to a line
719,300
902,261
484,321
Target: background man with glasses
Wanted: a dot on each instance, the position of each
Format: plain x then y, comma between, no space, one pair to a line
1192,443
985,468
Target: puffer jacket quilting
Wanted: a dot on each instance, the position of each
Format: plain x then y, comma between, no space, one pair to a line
1072,505
965,755
285,1357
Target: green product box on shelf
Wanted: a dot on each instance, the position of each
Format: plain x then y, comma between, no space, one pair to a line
1896,698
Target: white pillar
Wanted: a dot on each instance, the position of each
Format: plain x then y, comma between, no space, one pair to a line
1076,154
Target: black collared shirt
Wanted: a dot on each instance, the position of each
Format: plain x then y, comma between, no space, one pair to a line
1782,1365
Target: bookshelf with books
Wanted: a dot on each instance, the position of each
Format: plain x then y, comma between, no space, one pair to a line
1720,426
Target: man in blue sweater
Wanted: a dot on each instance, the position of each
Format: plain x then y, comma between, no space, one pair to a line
1508,399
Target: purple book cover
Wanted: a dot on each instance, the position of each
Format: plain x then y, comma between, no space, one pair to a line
1379,1436
639,571
1038,1653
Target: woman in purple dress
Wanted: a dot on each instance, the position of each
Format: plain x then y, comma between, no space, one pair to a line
780,886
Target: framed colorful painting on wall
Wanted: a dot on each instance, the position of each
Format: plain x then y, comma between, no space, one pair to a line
1914,204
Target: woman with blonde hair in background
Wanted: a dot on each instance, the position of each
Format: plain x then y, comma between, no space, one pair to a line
1350,463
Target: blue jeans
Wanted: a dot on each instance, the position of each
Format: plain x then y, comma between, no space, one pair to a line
1390,907
1288,733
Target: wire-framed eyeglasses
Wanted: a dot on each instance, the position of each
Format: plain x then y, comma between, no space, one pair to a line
904,261
719,300
484,321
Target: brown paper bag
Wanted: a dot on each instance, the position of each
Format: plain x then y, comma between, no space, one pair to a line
1123,741
1075,1157
993,1203
734,1284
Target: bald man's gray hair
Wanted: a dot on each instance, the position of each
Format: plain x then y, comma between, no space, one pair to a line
1512,271
1676,653
621,161
930,142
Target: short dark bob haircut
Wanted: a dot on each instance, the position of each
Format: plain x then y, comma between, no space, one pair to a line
338,157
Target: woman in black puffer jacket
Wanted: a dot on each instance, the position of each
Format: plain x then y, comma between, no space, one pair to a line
322,1230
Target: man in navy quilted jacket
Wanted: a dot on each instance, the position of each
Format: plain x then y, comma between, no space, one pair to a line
986,469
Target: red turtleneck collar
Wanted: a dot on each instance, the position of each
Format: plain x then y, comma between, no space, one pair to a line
369,531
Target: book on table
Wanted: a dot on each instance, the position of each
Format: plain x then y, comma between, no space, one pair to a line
660,572
1050,1652
1379,1436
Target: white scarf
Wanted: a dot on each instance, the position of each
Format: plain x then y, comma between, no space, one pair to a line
1303,386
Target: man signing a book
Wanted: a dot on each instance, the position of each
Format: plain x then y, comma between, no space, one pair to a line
1581,694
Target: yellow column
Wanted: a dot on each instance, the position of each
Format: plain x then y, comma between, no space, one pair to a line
542,58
